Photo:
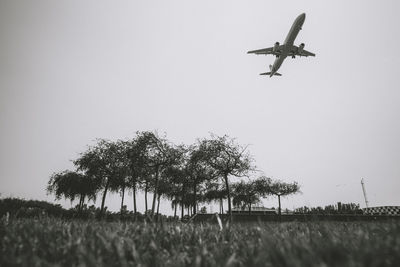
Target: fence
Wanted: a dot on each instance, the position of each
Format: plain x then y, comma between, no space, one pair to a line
294,217
383,210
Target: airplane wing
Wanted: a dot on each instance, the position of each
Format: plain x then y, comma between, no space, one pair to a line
305,53
264,51
276,50
299,51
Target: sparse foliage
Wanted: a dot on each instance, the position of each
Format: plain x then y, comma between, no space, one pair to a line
71,185
103,161
245,194
280,188
227,158
185,175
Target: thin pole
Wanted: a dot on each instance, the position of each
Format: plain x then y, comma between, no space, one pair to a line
365,193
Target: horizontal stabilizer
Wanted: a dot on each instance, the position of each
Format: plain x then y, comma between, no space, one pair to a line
269,73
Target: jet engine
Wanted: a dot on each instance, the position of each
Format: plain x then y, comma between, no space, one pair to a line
301,47
276,46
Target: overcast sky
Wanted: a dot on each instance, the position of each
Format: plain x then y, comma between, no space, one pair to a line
74,71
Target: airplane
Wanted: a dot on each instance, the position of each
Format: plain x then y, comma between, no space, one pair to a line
285,50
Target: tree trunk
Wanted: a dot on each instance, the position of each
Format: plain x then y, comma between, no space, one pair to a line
279,210
229,197
134,198
80,205
182,203
194,197
155,192
250,208
175,205
123,196
145,197
158,203
104,197
81,202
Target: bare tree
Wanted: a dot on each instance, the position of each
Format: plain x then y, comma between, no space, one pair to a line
215,192
177,177
199,171
227,158
158,154
245,194
136,153
103,162
279,188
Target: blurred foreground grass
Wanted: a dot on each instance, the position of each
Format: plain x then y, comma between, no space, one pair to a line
53,242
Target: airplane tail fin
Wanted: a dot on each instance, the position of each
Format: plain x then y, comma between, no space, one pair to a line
269,73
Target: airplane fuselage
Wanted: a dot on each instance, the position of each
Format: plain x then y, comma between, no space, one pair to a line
294,31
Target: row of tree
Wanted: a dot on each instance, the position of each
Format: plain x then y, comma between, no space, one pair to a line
247,193
185,175
339,208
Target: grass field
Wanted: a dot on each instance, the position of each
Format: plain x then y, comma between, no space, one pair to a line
53,242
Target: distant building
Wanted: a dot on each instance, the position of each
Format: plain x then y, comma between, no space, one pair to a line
383,210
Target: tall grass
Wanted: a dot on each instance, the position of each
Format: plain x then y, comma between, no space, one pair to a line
53,242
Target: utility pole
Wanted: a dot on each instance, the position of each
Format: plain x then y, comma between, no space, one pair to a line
365,193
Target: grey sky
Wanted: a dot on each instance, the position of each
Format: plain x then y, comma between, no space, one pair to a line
73,71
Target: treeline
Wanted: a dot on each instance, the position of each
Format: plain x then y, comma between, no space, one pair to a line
21,208
17,207
339,208
184,175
